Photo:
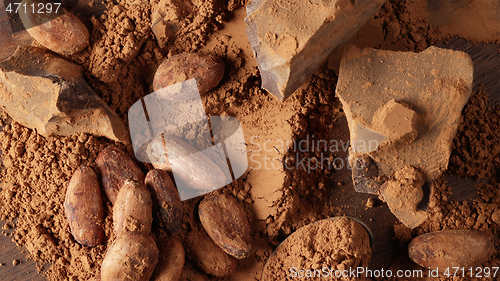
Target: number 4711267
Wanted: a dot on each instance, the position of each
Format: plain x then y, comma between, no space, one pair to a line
39,8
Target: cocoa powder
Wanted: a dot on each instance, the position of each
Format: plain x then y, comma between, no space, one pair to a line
34,181
333,244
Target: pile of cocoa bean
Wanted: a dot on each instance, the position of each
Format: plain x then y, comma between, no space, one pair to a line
133,255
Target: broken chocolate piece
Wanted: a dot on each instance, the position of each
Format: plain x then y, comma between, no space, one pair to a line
43,91
435,84
366,176
407,107
291,42
403,194
396,121
164,17
163,32
366,140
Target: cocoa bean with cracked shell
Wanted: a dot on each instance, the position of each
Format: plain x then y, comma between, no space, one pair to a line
166,200
84,207
131,257
115,166
207,256
226,223
60,32
208,70
463,248
132,211
193,169
171,260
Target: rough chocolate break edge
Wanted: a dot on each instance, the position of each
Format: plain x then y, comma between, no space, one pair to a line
291,42
435,84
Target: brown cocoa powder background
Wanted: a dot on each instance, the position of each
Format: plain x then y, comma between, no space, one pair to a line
37,174
119,65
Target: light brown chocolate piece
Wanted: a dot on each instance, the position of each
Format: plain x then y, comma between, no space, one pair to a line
43,91
396,121
403,194
165,14
291,42
434,84
162,32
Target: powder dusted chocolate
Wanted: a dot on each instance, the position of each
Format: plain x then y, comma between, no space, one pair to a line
402,195
47,93
396,121
474,156
415,25
435,83
334,244
408,106
292,41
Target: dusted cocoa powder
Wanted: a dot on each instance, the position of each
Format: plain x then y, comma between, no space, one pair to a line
34,181
336,245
